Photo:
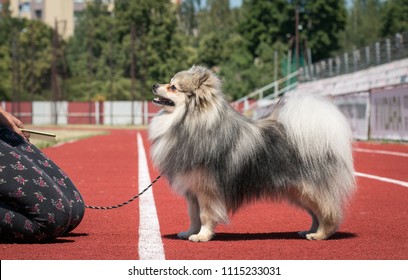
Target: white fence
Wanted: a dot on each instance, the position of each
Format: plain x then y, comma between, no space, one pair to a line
100,113
389,113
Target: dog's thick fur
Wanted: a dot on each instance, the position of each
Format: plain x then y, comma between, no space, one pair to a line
220,160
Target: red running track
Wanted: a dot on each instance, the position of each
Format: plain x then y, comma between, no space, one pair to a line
105,169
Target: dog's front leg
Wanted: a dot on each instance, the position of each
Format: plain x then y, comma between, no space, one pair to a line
212,212
194,213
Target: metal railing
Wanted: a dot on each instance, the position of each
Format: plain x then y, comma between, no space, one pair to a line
268,92
381,52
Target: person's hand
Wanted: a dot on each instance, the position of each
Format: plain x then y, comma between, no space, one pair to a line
8,120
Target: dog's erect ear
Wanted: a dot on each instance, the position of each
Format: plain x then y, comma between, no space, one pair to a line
202,74
206,85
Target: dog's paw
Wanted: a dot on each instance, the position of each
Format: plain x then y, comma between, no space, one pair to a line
200,237
316,236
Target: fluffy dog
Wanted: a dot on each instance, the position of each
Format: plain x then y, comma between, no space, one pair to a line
219,160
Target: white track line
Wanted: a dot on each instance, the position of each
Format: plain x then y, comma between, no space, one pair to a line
381,152
150,242
382,179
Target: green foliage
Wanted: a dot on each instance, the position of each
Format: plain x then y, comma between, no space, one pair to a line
263,22
394,18
240,45
35,52
25,56
322,21
188,16
101,50
237,71
269,26
363,24
5,74
5,58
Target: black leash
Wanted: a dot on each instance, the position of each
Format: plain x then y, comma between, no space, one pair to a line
126,202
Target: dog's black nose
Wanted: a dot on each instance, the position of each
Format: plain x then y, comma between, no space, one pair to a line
155,86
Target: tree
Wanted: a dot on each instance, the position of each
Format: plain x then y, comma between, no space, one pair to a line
263,22
217,24
160,48
363,24
94,56
216,18
5,75
237,71
188,11
5,59
120,55
25,48
105,61
321,23
35,51
394,18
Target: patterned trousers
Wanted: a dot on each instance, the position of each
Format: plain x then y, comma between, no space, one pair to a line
38,202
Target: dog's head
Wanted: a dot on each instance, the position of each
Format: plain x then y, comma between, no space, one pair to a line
194,88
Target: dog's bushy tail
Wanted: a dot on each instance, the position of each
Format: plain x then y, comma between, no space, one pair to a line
319,130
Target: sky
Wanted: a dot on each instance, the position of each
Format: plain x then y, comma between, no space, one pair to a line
235,3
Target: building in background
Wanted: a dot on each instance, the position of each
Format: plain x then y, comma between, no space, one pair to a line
63,13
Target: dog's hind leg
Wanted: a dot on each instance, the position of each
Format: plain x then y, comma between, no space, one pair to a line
194,214
329,215
326,214
328,225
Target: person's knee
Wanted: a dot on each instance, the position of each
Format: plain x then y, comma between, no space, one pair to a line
55,225
78,213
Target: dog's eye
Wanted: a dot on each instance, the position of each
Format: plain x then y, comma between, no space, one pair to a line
173,88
